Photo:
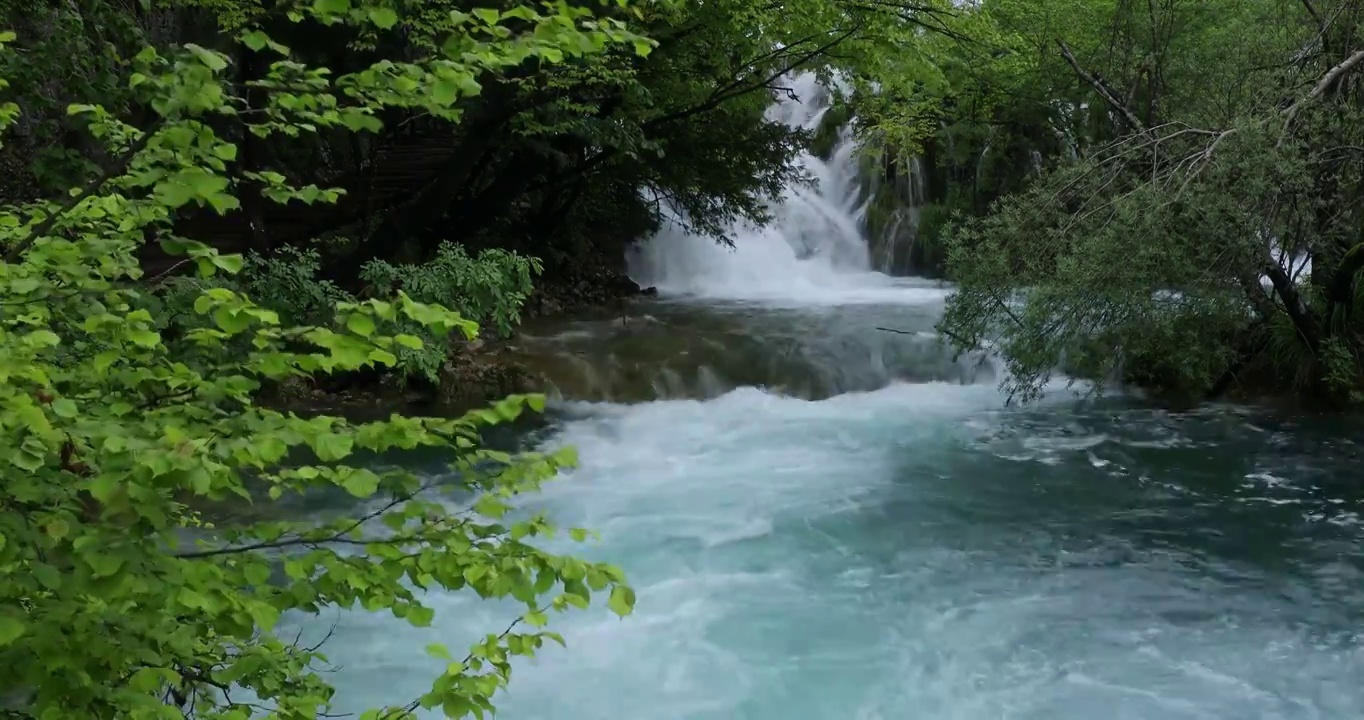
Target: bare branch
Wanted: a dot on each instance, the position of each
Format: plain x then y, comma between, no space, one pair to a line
1102,88
340,536
1327,81
1316,16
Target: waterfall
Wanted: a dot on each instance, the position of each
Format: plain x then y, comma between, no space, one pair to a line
814,251
895,236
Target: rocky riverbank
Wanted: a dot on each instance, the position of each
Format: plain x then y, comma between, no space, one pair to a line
476,372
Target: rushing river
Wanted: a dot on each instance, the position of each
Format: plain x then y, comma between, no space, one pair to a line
827,520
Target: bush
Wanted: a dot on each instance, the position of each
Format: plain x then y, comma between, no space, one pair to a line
489,289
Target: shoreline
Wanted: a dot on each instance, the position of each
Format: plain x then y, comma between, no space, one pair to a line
476,372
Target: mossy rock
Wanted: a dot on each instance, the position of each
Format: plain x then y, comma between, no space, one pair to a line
477,379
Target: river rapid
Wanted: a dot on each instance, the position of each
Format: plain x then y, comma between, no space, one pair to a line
826,519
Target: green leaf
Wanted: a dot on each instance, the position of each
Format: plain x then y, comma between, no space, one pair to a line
225,151
104,565
362,325
361,483
11,629
622,600
490,506
420,616
28,460
256,573
356,120
444,91
214,61
410,342
331,7
42,338
64,408
383,17
331,447
255,40
143,337
231,320
57,528
263,614
24,286
438,651
474,573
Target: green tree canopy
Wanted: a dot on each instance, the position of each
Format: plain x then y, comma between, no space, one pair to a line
1225,158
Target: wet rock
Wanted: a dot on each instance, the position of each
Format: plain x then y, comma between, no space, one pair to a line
569,289
475,379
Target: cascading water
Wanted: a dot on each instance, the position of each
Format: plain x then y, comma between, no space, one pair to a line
759,327
910,549
893,238
813,253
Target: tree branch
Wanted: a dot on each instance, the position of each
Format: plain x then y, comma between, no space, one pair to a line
1102,88
337,537
1303,320
1322,87
1316,16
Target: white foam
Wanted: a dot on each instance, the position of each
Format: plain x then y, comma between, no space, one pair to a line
814,253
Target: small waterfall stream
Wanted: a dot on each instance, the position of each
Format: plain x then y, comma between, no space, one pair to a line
813,253
803,306
893,237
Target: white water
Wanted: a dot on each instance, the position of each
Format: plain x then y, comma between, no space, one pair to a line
813,254
916,551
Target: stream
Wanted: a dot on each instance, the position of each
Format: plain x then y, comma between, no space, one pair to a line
826,515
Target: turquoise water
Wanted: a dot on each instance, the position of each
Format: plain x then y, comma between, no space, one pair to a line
876,536
922,551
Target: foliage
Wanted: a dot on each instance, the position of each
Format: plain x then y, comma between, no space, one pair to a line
711,92
1173,254
999,99
489,289
555,157
565,161
108,608
288,283
65,52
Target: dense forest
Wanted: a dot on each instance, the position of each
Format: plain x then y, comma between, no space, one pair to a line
1195,226
203,201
